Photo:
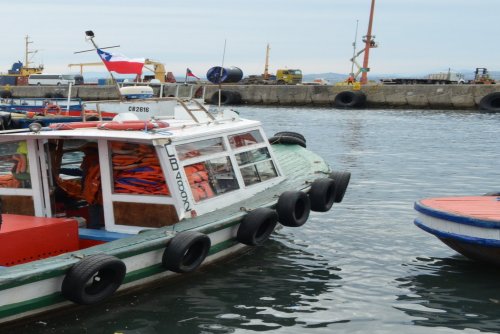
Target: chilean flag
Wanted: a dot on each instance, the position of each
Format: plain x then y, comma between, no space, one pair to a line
190,74
121,64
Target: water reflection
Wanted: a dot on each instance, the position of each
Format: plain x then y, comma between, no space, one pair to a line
218,299
452,292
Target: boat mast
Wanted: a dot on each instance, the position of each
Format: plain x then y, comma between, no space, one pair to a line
27,52
368,44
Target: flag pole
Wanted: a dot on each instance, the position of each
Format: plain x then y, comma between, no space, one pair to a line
186,78
220,74
91,36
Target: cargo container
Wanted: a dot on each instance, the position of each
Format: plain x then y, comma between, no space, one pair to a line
8,80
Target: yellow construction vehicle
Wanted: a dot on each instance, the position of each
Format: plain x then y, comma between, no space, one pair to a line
482,77
158,69
288,76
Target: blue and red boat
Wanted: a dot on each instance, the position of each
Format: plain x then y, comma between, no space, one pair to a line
470,225
41,105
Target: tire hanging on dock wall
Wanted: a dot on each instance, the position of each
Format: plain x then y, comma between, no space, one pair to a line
490,102
226,97
350,99
5,94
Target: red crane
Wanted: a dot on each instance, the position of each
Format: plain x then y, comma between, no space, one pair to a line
369,43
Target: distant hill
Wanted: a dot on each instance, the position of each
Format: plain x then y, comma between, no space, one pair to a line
331,77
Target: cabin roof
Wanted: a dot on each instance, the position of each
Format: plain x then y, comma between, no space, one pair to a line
176,131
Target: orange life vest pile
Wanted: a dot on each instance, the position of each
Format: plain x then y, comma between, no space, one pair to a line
89,187
9,181
136,170
20,166
198,180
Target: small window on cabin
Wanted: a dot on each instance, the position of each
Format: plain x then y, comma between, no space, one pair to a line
211,178
137,170
14,167
256,166
199,148
245,139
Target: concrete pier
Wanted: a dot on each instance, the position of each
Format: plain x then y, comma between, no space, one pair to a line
378,96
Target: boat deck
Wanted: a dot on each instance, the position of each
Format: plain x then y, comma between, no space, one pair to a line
471,209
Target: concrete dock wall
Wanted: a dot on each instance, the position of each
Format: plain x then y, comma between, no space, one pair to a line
378,96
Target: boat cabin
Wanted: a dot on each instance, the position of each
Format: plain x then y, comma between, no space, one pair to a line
123,182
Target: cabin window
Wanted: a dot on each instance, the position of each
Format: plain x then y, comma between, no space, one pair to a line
256,166
211,178
245,139
14,168
74,174
200,148
136,169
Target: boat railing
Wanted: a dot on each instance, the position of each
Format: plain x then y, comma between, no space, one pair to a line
190,105
180,90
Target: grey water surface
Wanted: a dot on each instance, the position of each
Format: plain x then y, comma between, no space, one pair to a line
363,267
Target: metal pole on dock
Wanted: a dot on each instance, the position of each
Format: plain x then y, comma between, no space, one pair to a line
368,45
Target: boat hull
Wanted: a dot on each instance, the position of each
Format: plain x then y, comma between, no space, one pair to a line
41,293
35,287
468,225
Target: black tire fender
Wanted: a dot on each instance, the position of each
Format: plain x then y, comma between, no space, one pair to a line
490,102
257,226
93,279
226,97
493,193
291,134
287,140
341,181
322,194
5,94
293,208
350,99
186,251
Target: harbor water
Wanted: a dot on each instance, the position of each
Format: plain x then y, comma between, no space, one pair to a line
363,267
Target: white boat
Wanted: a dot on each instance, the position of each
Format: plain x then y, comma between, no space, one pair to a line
90,209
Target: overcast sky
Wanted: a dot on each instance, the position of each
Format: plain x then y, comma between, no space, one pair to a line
316,36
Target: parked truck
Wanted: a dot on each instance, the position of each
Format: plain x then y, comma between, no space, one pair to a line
443,78
288,76
282,77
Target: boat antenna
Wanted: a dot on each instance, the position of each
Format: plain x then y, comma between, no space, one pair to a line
220,74
90,36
